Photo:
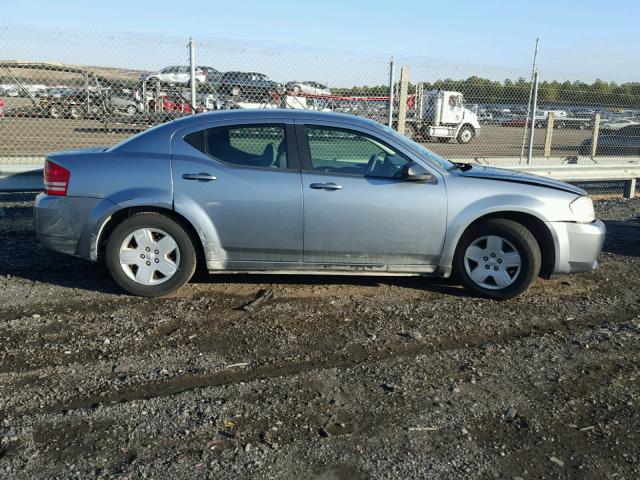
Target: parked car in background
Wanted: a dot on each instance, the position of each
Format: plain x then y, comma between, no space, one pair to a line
212,76
623,142
9,90
557,114
56,92
485,117
309,87
122,102
170,103
74,103
252,86
175,74
307,192
208,101
617,124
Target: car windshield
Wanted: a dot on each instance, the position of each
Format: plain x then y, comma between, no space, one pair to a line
422,150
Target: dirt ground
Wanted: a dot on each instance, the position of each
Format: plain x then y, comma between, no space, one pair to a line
38,136
332,378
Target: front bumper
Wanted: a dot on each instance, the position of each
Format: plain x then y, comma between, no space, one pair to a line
577,245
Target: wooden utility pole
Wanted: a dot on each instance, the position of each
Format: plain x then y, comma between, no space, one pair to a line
596,132
402,106
549,138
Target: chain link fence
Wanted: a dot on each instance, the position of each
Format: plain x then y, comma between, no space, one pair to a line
62,90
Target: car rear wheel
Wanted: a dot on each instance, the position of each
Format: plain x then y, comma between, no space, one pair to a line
150,255
132,110
498,259
236,90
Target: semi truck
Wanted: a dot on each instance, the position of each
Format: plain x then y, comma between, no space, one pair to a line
441,115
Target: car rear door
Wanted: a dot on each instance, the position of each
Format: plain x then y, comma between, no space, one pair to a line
355,216
244,179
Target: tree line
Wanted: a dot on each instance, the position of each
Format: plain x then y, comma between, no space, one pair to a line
482,90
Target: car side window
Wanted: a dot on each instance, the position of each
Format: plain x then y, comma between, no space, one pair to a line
262,146
341,151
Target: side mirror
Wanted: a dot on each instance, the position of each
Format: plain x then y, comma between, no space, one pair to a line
415,172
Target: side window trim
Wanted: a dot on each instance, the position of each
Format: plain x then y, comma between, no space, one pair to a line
305,149
407,152
293,161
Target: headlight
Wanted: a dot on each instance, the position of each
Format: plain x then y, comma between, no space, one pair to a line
582,208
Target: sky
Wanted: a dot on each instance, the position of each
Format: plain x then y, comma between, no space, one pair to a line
583,39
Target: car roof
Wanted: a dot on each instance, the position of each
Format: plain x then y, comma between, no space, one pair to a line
284,113
146,140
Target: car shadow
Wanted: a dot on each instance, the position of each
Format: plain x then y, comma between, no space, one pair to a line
432,284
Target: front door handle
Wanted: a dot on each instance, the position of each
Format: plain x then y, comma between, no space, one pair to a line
326,186
202,176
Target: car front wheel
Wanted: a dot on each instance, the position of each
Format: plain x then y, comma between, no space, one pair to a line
498,259
465,135
150,255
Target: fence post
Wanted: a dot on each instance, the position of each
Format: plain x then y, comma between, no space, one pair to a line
391,82
630,188
158,104
549,138
596,132
533,116
192,65
402,106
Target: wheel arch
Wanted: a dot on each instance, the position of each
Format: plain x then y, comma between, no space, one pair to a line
123,213
466,124
534,224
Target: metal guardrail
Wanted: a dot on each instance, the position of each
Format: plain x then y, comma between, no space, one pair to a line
21,178
27,176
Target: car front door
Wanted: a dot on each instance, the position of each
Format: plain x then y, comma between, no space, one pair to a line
357,211
245,180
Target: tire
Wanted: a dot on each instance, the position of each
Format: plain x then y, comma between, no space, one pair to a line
466,134
55,111
483,271
296,89
236,90
131,110
76,113
178,260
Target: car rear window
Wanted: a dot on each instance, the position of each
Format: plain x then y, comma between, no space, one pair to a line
262,145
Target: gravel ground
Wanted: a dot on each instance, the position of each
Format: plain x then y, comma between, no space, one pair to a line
331,378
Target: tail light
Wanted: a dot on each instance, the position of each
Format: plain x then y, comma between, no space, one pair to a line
56,179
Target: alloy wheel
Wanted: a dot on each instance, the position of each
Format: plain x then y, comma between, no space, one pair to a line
492,262
149,256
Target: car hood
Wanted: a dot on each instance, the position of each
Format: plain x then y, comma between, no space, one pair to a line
500,174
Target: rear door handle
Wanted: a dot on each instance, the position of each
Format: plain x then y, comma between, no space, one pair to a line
326,186
202,176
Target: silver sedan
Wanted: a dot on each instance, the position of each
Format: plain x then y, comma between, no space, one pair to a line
307,192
